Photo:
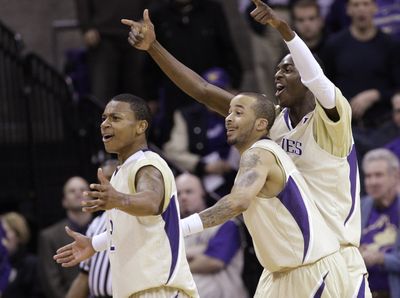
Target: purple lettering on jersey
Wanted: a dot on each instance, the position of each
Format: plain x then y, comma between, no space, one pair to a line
291,198
171,218
292,146
352,160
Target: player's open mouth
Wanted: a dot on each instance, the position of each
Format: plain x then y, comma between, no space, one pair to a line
107,137
279,89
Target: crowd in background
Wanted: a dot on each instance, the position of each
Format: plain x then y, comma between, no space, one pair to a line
358,42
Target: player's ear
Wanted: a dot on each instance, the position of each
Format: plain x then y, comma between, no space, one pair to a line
261,124
142,127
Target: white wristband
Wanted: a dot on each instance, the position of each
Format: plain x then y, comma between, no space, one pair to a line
99,242
191,225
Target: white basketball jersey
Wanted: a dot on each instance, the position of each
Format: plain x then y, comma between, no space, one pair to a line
323,151
287,230
147,251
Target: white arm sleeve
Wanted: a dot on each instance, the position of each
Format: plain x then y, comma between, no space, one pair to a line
191,225
311,73
99,242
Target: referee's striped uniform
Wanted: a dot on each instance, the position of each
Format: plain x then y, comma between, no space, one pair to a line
98,266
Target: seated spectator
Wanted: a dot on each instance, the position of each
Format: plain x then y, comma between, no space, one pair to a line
380,212
198,143
215,255
55,279
23,280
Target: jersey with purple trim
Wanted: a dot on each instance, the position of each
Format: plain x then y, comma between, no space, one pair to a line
147,251
287,230
323,151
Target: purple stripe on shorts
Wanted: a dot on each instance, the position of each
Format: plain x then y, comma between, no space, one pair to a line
171,227
291,198
361,290
321,288
352,160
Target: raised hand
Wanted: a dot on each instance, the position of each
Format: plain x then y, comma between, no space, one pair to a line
103,196
263,14
142,33
75,252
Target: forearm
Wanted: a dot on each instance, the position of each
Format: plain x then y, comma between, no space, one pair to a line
139,204
204,264
226,208
190,82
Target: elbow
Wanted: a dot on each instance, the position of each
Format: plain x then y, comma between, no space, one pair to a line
241,205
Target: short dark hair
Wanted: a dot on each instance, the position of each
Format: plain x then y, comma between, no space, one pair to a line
263,107
137,105
303,4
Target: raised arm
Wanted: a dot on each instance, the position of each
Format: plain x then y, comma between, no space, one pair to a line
142,36
310,71
148,199
252,175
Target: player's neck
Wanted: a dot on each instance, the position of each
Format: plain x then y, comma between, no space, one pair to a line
297,112
122,156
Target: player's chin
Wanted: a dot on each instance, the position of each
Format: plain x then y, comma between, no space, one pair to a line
110,148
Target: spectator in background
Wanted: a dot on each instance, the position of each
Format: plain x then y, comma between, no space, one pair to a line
113,67
23,281
309,24
215,255
200,44
198,142
55,279
388,135
94,280
364,63
380,213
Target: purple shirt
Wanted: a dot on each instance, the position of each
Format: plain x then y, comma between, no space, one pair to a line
380,222
225,243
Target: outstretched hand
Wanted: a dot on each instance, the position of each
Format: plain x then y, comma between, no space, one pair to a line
102,197
264,14
75,252
142,33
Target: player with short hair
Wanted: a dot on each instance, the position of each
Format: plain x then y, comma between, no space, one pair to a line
146,247
314,128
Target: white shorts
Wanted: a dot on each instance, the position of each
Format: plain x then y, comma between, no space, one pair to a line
161,292
358,275
325,278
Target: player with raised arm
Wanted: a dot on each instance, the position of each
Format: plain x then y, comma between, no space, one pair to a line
314,128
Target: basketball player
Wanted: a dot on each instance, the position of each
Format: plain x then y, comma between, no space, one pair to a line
316,134
146,248
290,237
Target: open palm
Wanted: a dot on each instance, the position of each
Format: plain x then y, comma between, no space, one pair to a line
75,252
